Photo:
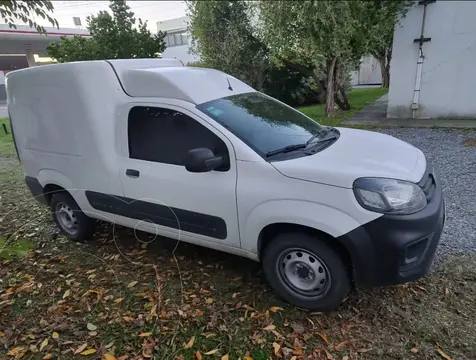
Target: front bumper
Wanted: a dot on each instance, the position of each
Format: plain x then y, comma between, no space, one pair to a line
394,249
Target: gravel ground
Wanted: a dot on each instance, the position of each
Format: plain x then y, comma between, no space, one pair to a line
456,165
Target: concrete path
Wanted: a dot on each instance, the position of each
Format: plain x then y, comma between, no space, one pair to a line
376,115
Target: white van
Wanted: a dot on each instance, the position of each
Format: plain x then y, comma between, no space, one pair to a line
197,155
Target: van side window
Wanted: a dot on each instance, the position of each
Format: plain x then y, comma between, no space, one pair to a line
166,136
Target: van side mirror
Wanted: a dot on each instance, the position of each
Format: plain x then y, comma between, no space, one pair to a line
202,160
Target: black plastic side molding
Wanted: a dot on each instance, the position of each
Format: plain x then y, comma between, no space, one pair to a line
185,220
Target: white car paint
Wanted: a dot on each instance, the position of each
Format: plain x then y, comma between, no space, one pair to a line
358,153
70,123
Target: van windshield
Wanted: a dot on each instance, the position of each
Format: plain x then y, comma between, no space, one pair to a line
261,122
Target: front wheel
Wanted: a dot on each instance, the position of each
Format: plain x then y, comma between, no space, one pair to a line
69,218
306,272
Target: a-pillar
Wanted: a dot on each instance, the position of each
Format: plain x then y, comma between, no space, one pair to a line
30,57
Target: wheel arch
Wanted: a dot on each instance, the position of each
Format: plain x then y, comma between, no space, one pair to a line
54,181
50,189
269,232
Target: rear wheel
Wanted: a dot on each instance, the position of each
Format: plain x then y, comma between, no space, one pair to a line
69,218
306,271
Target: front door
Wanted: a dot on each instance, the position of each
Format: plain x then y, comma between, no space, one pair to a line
161,194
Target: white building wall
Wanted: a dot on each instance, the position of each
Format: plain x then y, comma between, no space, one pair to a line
448,81
369,72
180,52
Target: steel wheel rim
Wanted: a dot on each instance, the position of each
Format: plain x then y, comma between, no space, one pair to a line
304,273
66,218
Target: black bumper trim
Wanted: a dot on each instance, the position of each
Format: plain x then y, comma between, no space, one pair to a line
36,189
378,248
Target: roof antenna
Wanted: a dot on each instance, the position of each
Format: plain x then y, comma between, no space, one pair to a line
229,85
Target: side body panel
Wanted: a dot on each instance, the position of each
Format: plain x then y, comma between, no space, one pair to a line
265,197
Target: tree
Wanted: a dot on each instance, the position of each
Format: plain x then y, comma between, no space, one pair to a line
226,36
222,35
379,22
14,11
116,36
323,33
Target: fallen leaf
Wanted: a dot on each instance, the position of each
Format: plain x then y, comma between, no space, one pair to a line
47,357
275,309
324,337
66,294
276,347
118,300
146,334
211,352
91,327
447,292
109,357
342,345
297,351
329,355
270,327
443,355
298,327
146,354
345,358
247,358
123,357
225,357
363,350
132,284
190,343
88,352
198,355
15,351
81,348
2,334
414,350
43,344
55,335
208,300
293,358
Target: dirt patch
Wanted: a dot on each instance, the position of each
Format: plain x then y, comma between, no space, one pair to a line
469,142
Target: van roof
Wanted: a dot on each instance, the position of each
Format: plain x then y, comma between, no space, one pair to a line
155,78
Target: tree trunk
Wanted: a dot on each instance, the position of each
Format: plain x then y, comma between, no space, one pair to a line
385,70
341,99
330,87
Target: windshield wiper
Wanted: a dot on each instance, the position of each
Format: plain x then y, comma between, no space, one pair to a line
321,132
286,149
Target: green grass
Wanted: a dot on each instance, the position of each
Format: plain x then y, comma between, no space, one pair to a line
359,98
6,141
14,249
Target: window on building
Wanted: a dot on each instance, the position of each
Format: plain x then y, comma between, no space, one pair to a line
171,39
176,38
184,38
166,136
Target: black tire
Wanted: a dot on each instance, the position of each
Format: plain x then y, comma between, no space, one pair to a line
283,250
63,203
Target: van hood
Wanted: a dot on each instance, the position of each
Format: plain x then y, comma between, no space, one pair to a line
355,154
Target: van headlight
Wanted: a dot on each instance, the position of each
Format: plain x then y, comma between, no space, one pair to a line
389,196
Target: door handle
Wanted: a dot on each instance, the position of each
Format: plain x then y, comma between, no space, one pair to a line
132,173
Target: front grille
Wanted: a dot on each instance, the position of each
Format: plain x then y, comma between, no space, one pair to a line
428,185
